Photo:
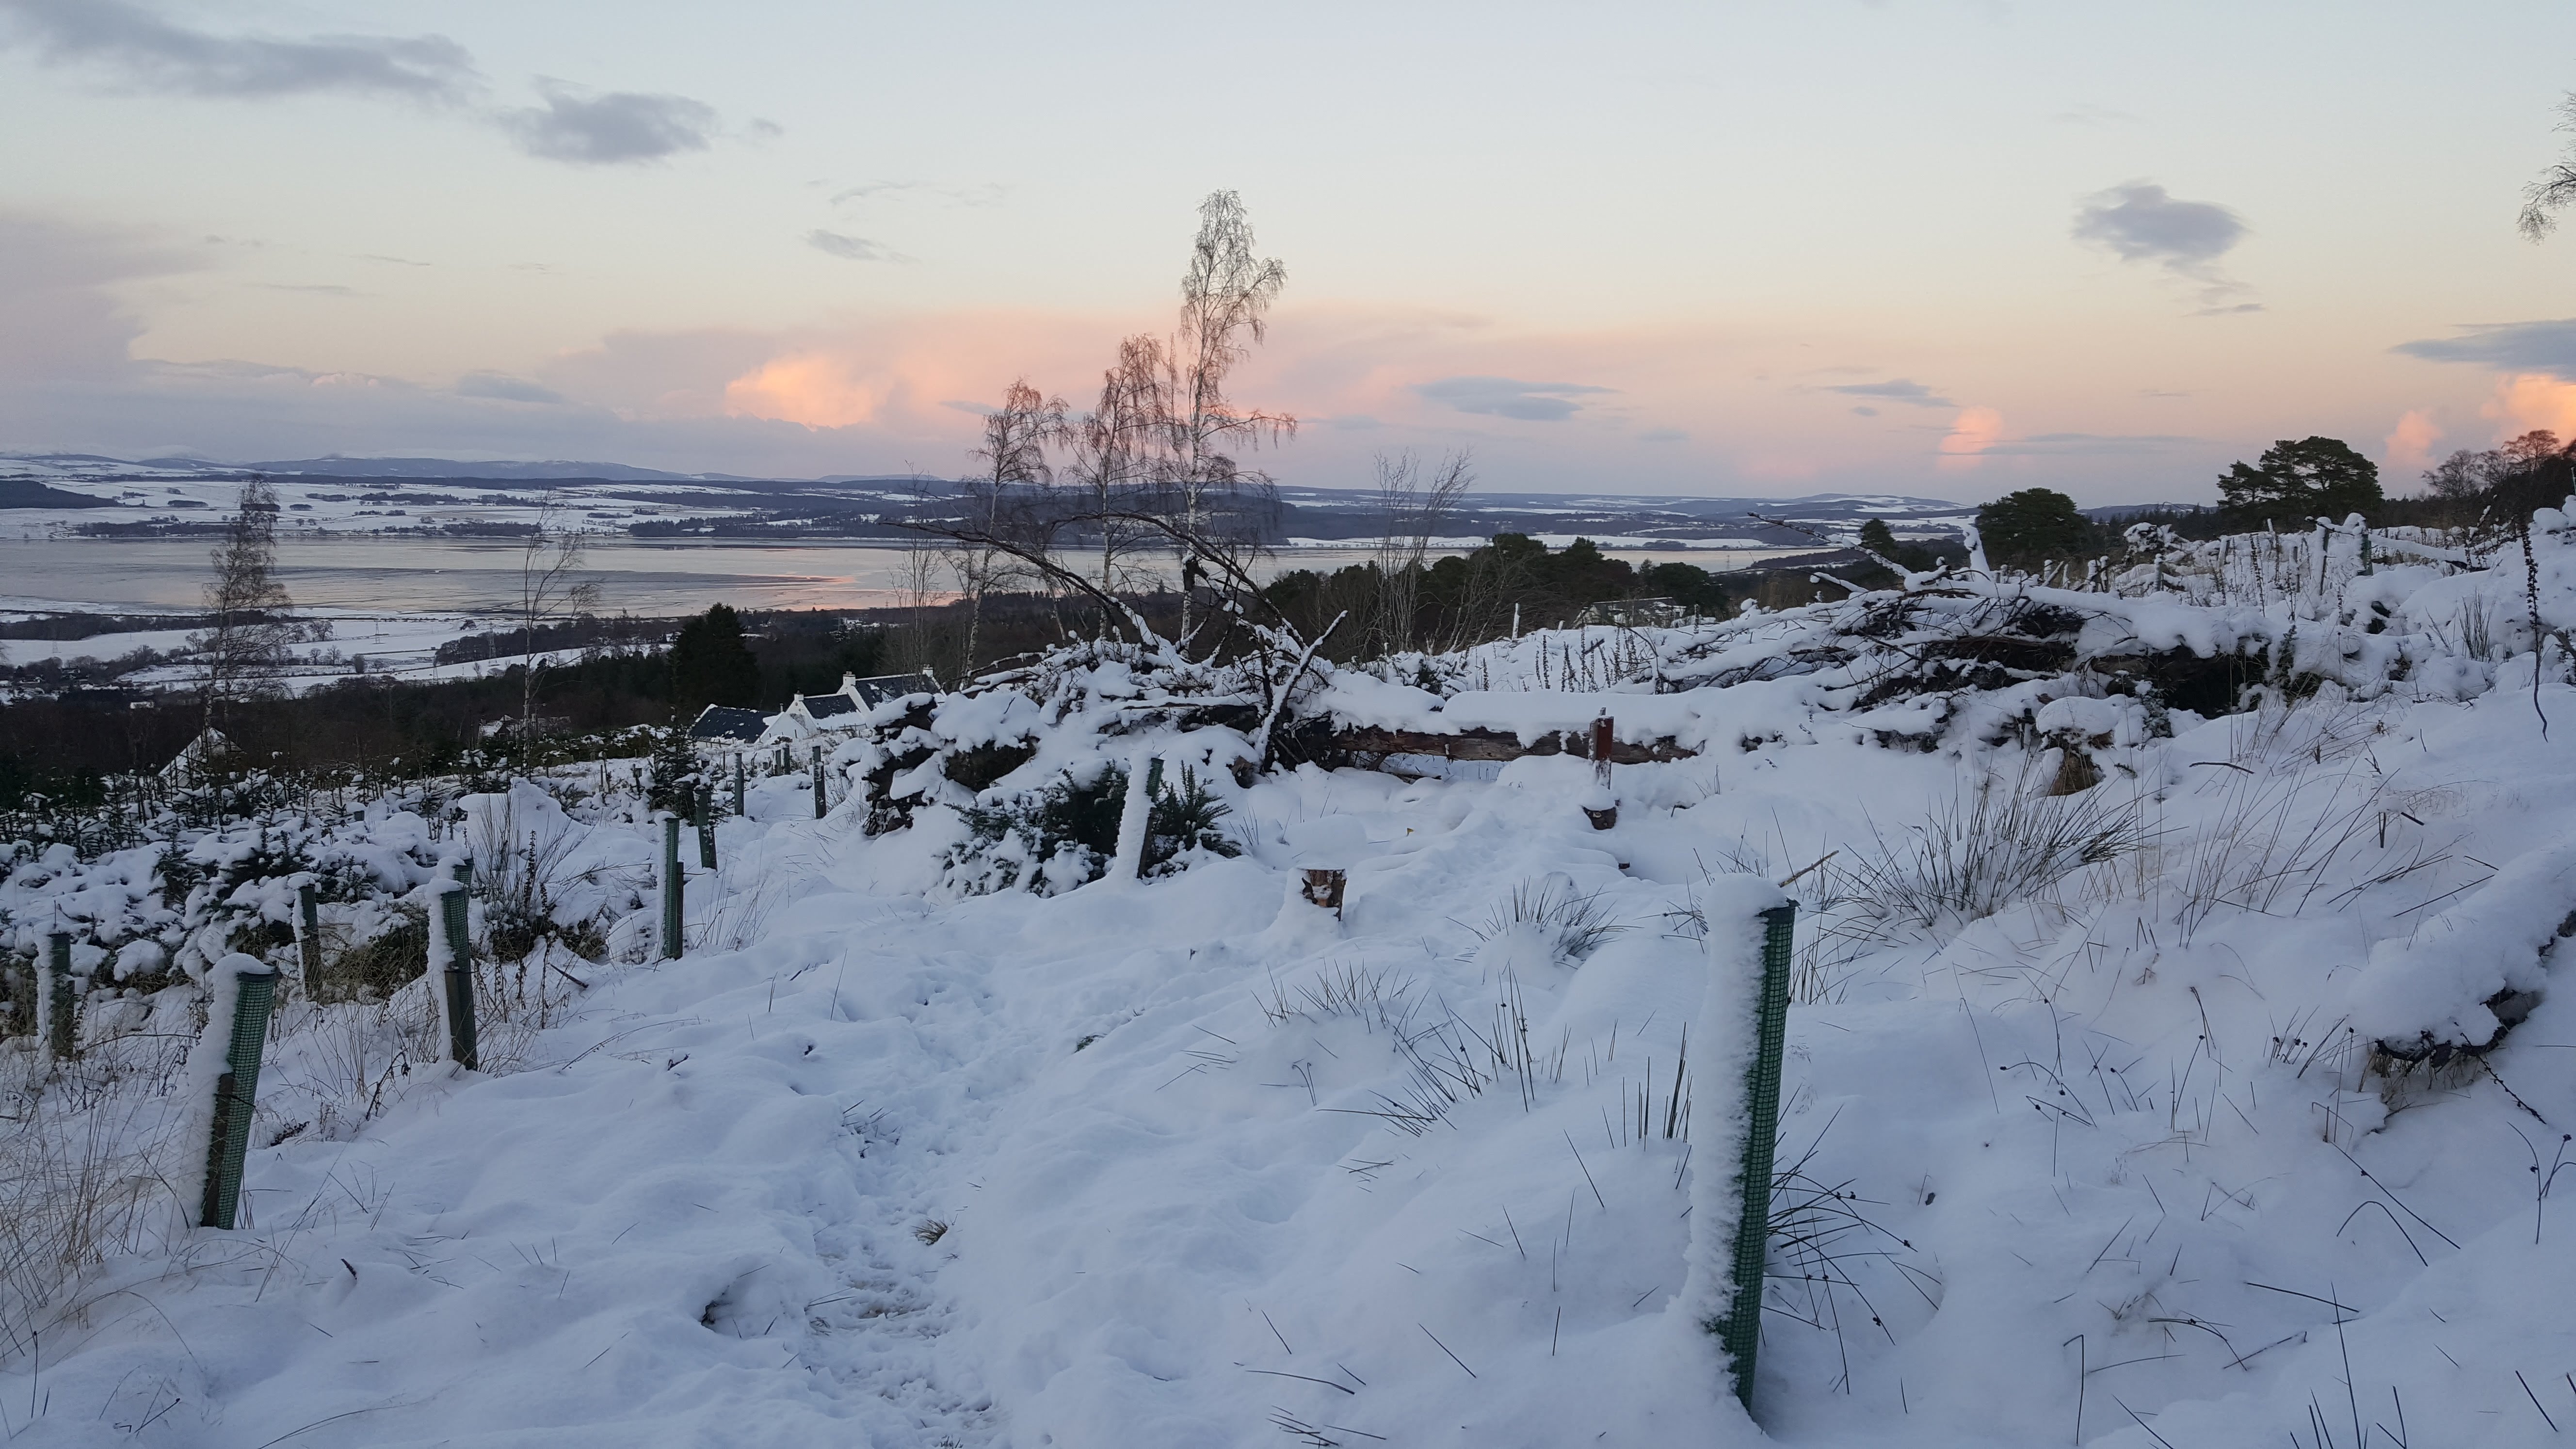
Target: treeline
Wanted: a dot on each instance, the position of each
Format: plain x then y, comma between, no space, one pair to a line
385,726
1463,599
2294,483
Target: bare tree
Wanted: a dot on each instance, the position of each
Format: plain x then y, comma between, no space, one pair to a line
1412,501
1016,438
2464,474
2556,187
917,586
548,591
1225,304
244,644
1114,444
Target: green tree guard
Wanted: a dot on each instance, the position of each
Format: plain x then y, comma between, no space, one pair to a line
308,938
235,1091
670,887
818,782
459,984
707,827
1742,1331
62,1026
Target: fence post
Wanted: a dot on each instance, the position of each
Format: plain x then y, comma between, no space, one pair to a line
62,1026
458,970
707,826
670,887
1323,886
737,782
1741,1331
818,782
236,1088
1603,812
308,937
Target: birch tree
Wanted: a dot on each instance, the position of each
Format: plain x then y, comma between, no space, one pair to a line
244,644
1016,438
1225,305
1412,502
1114,445
549,590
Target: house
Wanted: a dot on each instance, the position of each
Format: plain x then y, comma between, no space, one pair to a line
720,724
843,708
205,754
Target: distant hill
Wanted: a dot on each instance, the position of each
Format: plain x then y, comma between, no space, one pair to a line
651,503
28,493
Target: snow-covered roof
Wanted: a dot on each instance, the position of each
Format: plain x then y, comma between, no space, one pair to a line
877,689
725,722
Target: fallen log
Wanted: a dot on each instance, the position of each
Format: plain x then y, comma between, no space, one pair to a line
1373,745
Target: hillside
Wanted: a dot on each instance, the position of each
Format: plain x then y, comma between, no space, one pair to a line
2173,1054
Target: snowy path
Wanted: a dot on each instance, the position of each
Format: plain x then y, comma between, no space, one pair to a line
700,1230
1159,1219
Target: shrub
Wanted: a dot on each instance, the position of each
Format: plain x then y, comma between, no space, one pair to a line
1986,849
1066,831
1573,926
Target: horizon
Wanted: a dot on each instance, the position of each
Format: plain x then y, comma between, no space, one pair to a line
2093,252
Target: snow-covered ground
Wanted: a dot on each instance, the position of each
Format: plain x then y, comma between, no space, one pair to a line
2082,1137
351,644
390,505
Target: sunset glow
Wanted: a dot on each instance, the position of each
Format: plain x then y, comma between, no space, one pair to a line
491,238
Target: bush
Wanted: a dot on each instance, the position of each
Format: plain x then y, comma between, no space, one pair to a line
380,965
2035,524
1066,832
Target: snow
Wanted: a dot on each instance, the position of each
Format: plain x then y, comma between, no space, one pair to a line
893,1156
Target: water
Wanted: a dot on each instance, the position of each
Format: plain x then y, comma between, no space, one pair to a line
470,576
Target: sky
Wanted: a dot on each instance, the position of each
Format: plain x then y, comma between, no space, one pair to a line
1939,247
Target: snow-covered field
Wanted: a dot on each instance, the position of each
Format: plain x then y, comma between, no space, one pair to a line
351,644
344,505
2087,1131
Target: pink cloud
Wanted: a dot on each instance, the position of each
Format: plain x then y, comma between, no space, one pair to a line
1975,430
2532,400
2410,443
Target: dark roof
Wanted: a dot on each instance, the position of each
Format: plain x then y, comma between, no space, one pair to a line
823,706
724,722
883,687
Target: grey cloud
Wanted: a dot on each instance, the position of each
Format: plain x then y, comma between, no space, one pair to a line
142,48
1662,435
984,195
1866,412
2139,222
1351,422
56,282
1536,402
849,248
319,289
585,129
1902,390
2507,346
505,388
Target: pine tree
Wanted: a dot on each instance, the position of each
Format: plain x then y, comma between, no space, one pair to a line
2294,483
711,665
